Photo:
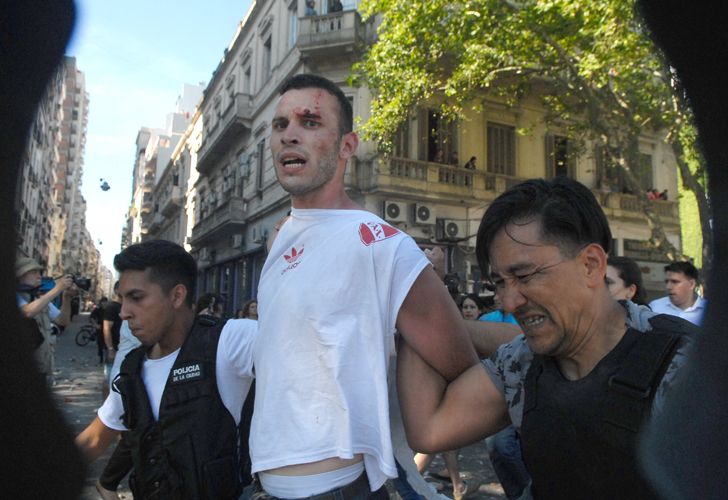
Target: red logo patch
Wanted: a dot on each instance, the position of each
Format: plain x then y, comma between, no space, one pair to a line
371,232
295,254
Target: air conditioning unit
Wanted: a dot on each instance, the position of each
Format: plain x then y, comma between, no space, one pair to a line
237,241
257,236
424,214
452,229
395,211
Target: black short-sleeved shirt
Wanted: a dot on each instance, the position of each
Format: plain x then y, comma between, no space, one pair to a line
112,310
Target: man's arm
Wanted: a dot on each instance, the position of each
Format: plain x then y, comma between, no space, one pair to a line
64,318
109,341
430,322
95,438
32,309
440,416
488,336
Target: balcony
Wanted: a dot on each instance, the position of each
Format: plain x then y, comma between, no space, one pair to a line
234,121
156,223
400,175
628,206
147,207
227,218
330,35
173,202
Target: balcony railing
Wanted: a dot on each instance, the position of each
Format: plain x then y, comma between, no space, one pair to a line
435,178
402,175
328,34
147,207
629,205
172,202
156,223
234,121
228,217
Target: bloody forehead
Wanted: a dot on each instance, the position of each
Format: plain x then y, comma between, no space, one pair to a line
305,112
308,102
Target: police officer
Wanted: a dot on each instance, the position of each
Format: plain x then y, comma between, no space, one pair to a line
587,371
180,394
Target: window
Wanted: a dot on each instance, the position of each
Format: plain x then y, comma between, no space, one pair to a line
560,159
610,177
246,81
261,166
643,171
437,137
401,140
267,54
292,24
501,152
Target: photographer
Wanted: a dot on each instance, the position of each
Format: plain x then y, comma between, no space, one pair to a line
28,274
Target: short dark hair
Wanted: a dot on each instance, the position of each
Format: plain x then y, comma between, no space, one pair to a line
169,264
630,273
308,81
569,215
687,268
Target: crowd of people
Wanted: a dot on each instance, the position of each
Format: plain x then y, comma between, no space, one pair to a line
559,372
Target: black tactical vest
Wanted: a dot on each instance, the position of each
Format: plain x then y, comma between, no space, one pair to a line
191,452
579,437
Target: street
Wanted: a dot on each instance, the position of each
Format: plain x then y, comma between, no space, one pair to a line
78,394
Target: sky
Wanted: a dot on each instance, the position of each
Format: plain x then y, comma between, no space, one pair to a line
135,56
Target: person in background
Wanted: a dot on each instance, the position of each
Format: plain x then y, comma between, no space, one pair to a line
504,447
310,8
498,315
470,164
681,278
112,326
97,320
41,310
472,307
454,159
249,310
336,6
210,304
624,280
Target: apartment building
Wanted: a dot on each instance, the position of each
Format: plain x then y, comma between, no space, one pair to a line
154,176
50,209
218,194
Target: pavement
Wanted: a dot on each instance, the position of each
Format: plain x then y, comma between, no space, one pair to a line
77,391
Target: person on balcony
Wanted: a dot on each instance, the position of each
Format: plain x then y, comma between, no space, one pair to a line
336,6
470,164
310,10
454,159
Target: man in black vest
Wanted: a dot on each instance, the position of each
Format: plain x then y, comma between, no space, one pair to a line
178,397
586,373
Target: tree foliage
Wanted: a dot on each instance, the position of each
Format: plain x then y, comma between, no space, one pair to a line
593,62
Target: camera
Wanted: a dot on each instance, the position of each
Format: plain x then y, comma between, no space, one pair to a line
81,282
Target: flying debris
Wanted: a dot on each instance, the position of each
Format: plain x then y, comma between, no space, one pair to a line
104,185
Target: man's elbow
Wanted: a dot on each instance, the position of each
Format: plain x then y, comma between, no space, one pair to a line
421,442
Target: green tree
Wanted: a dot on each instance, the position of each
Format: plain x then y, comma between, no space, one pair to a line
593,63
